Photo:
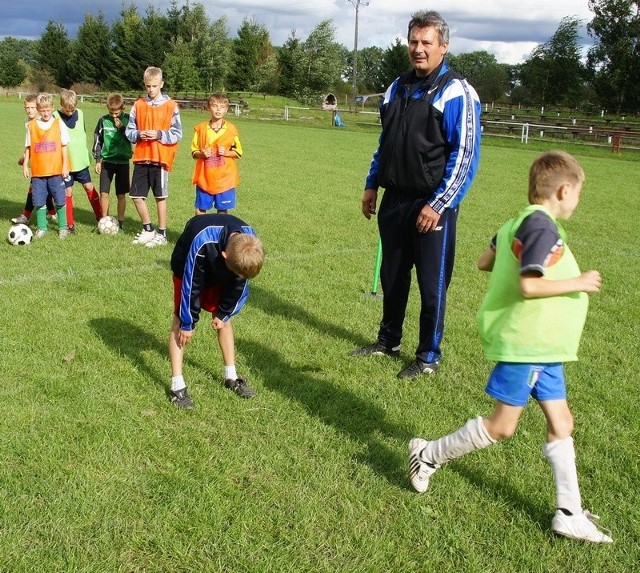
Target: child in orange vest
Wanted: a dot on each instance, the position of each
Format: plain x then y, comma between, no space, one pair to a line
216,147
46,152
155,127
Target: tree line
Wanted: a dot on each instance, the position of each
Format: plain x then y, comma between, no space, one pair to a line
199,55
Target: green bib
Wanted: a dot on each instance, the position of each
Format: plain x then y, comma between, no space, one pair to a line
515,329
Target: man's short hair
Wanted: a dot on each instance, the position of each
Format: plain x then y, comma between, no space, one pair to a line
549,171
427,19
115,101
244,255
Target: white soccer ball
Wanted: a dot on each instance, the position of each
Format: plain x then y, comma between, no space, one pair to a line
19,235
108,225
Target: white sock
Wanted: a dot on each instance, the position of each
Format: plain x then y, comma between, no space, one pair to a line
177,383
562,458
470,437
230,372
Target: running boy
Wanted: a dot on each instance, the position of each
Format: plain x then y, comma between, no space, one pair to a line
112,152
211,263
79,160
32,112
155,127
216,147
45,149
530,322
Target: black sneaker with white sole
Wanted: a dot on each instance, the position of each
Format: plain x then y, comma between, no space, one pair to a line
181,399
375,349
418,368
240,387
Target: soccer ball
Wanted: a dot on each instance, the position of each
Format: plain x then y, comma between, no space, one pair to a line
19,235
108,226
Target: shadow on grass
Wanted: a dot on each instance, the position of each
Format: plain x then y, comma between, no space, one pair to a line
358,419
271,304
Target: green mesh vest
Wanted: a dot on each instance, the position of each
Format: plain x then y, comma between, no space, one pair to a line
515,329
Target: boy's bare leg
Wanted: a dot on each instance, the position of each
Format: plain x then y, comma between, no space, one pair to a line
122,205
176,352
504,420
162,213
143,210
104,203
226,342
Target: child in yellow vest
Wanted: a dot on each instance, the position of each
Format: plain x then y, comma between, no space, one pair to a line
216,147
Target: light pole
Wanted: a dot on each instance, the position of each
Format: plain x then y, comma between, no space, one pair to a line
356,4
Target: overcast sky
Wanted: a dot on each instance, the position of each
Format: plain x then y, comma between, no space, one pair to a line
509,30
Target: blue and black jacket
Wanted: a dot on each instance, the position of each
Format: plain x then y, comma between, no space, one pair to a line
197,259
430,141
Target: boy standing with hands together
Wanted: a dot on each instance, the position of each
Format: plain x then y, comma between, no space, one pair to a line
216,147
155,127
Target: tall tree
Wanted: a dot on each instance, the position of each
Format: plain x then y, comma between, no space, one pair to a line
252,49
484,73
91,58
395,62
323,62
128,59
290,65
370,75
156,37
614,60
180,68
12,69
53,53
555,74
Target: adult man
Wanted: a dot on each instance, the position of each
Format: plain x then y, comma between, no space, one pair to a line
426,159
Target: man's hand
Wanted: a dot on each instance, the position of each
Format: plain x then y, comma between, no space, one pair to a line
369,200
428,220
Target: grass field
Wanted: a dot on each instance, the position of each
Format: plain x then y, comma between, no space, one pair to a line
99,473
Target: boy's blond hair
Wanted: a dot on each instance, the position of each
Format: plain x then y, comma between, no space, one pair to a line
549,171
217,97
244,255
152,72
68,98
115,102
30,98
43,100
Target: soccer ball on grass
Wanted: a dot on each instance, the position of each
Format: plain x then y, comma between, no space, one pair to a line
108,225
19,235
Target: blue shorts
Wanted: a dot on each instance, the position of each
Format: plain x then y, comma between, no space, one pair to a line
513,383
221,201
43,186
83,177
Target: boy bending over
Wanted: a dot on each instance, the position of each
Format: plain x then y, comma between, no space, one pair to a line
211,263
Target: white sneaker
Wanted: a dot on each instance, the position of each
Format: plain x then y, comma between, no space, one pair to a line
419,471
157,241
580,526
143,237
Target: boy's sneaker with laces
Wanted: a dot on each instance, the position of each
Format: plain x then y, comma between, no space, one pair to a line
240,387
20,220
581,526
39,233
181,399
63,233
419,470
375,349
418,368
143,237
157,241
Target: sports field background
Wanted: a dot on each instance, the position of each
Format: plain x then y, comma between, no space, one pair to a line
99,473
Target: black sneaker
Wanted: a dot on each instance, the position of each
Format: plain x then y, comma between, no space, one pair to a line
181,399
72,230
418,368
240,387
375,349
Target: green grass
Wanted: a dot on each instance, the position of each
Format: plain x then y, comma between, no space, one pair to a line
99,473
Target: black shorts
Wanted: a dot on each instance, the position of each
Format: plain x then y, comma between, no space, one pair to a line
149,176
121,173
